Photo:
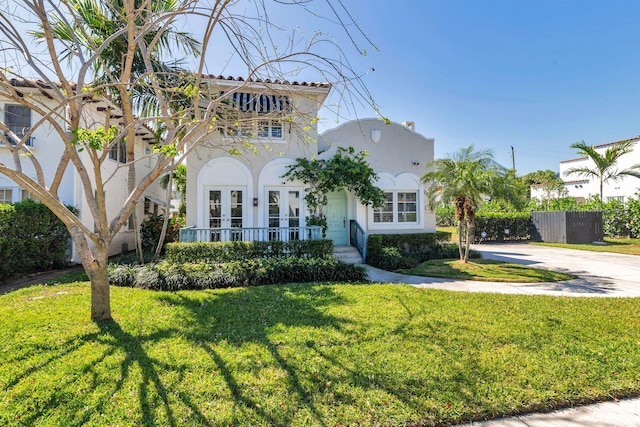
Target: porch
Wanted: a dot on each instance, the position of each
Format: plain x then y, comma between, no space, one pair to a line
250,234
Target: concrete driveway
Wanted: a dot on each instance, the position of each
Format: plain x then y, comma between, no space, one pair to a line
600,274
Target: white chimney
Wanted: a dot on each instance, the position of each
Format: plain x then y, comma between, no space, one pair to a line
410,125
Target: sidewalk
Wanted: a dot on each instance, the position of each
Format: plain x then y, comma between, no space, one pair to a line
599,275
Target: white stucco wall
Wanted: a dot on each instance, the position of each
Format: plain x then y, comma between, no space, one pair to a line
261,163
399,157
48,149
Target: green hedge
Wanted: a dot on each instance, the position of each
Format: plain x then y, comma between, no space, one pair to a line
32,239
151,229
167,276
218,252
494,225
395,251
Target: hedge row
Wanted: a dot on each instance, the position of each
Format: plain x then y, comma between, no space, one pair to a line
394,251
503,226
167,276
219,252
32,239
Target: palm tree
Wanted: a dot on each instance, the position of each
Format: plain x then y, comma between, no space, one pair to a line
463,179
98,21
605,165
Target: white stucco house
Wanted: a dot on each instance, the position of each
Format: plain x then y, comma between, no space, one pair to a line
581,187
48,148
234,195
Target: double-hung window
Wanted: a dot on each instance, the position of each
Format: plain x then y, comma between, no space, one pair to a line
6,196
400,207
18,120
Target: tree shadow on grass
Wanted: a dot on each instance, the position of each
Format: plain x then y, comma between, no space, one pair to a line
248,316
113,339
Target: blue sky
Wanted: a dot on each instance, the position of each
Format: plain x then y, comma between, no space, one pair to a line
535,75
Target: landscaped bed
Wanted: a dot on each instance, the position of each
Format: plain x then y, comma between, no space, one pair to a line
309,354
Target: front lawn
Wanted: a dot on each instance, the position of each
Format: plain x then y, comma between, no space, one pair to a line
484,270
308,354
620,246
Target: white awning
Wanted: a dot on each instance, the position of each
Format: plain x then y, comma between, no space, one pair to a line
260,103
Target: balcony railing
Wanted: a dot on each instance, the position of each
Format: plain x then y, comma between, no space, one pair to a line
250,234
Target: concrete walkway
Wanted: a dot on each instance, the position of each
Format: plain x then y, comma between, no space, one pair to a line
600,274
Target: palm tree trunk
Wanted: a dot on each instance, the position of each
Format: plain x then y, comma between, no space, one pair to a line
601,185
469,238
460,240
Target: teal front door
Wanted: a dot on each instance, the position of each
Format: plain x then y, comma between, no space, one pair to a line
336,214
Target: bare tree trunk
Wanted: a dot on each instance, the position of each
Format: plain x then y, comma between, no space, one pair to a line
95,265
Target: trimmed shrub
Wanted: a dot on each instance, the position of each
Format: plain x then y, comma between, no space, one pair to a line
32,239
219,252
151,228
446,216
494,224
396,251
391,259
443,236
172,277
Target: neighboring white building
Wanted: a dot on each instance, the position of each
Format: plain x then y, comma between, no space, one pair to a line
581,187
48,149
233,196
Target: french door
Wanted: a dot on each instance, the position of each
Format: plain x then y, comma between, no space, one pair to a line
226,213
284,206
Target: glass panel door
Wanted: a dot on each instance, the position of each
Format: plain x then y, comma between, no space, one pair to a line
215,214
283,213
293,219
226,213
274,214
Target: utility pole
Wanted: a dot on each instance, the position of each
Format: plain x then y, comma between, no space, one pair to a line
513,159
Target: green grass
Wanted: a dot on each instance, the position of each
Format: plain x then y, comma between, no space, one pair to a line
308,354
484,270
620,246
452,230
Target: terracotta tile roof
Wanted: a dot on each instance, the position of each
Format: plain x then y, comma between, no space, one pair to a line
609,144
268,81
574,160
579,181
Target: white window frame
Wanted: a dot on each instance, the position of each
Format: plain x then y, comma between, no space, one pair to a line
3,199
253,124
618,198
19,133
396,214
